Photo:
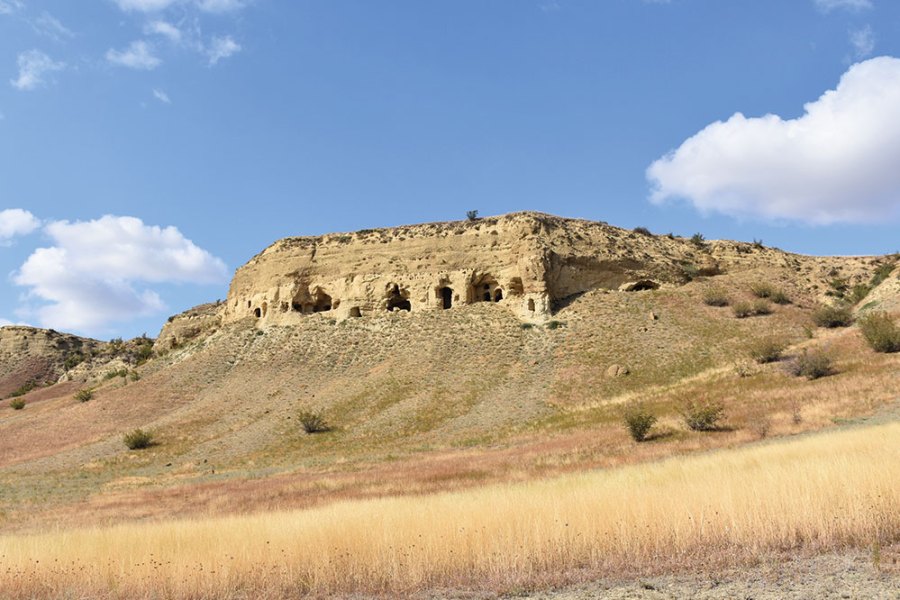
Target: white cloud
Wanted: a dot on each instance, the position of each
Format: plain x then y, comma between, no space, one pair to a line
15,222
162,96
830,5
51,27
221,47
164,29
863,41
144,5
138,55
835,163
152,6
96,271
33,65
8,7
219,6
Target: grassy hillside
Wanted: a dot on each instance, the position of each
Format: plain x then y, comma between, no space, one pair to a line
433,401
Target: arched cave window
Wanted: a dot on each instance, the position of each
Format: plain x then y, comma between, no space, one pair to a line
446,297
355,312
498,295
531,304
258,313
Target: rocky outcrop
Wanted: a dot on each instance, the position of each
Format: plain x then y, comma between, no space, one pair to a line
33,357
189,326
528,263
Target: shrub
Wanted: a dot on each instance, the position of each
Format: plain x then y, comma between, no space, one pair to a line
882,272
17,404
832,316
698,240
73,360
880,332
702,416
766,350
761,307
858,293
642,231
749,309
639,420
312,422
84,395
138,439
742,309
779,296
811,364
23,389
715,296
555,324
762,289
758,244
472,215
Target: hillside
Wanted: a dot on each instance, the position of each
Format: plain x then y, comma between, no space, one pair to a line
422,398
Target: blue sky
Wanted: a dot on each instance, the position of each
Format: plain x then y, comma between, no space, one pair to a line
150,147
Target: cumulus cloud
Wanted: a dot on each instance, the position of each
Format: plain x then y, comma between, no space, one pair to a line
33,66
139,55
221,47
15,222
96,272
830,5
837,163
164,29
863,41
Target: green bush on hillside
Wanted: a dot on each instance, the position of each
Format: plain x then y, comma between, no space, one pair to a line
638,419
880,332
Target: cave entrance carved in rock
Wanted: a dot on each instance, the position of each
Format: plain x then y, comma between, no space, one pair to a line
446,295
398,300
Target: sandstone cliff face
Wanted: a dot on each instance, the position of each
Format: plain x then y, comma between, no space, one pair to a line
526,263
189,325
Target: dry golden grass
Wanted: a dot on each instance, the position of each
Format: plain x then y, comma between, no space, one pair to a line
826,491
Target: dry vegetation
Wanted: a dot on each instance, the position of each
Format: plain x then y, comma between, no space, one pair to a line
828,491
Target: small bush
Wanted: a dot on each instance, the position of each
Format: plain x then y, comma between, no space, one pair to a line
858,293
17,404
779,296
749,309
832,316
23,389
642,231
742,309
715,296
312,422
880,332
766,350
472,215
555,324
758,244
698,240
762,289
84,395
761,307
527,326
702,416
639,420
811,364
138,439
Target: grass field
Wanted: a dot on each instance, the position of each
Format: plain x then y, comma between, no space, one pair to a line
826,491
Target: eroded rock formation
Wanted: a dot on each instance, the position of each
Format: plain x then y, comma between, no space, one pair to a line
524,262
